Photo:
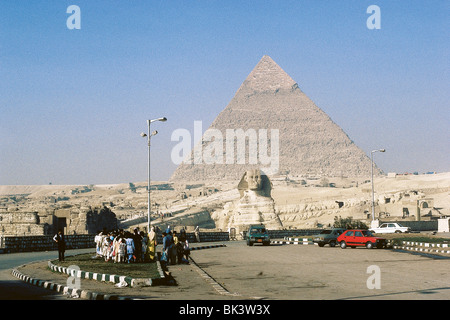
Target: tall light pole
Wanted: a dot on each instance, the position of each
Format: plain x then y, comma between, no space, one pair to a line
373,192
149,135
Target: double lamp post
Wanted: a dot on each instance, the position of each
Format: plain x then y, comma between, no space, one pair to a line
149,135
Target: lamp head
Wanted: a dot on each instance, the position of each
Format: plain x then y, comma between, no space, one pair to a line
143,134
163,119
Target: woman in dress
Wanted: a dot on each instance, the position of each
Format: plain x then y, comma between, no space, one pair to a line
151,245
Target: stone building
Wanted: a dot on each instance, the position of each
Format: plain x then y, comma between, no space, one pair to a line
72,220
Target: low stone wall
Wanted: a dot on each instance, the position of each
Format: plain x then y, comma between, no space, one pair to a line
281,234
419,225
45,243
204,237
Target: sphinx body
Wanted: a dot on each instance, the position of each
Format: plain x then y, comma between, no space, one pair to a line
255,206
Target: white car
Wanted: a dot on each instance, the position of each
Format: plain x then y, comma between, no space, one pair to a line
390,227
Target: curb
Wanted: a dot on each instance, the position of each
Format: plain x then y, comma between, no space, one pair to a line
67,290
208,247
426,244
302,241
424,247
415,249
132,282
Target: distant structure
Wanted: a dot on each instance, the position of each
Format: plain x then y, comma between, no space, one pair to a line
309,142
82,220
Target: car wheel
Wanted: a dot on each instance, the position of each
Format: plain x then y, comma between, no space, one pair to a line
369,245
321,244
266,243
250,243
332,243
398,231
343,245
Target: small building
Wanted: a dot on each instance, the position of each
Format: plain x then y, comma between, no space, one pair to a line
72,220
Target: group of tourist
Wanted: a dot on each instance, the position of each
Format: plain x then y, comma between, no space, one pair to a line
122,246
175,247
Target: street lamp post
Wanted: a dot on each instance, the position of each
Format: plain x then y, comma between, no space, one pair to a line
149,135
373,192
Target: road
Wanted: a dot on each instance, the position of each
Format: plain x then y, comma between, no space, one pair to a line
277,272
309,272
11,288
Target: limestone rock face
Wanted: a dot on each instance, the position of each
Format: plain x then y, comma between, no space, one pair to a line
290,132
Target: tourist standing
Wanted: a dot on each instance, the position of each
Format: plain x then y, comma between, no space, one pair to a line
98,243
137,245
61,242
151,245
144,245
167,245
122,250
186,250
197,233
130,246
176,248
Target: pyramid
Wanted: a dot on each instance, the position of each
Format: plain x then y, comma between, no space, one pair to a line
293,136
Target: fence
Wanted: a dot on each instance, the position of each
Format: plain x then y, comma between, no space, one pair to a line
46,243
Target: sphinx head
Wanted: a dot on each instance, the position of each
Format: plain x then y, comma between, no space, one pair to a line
254,180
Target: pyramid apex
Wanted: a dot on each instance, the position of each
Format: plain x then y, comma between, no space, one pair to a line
267,75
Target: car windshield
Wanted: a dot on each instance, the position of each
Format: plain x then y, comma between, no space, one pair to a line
257,230
367,233
399,225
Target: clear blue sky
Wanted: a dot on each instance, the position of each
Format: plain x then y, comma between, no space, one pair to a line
73,102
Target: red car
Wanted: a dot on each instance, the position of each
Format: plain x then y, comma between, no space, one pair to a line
357,237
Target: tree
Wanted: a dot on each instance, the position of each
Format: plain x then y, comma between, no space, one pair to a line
348,223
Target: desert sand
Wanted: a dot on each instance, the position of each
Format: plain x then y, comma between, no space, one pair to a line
299,203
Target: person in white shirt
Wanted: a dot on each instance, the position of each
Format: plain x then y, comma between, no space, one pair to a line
59,239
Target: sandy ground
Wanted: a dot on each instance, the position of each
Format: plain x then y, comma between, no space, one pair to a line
300,206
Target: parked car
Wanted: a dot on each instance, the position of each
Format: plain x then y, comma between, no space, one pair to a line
357,238
257,234
328,236
390,227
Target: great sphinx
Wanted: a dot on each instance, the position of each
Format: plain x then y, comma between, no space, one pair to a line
255,205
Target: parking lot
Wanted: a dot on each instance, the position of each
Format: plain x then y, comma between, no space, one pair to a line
309,272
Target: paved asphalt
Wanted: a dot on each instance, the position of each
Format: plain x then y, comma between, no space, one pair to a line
280,272
12,288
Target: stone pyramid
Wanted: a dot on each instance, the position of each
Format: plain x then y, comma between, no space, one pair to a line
293,135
